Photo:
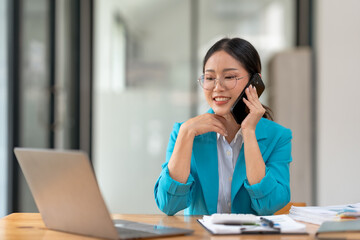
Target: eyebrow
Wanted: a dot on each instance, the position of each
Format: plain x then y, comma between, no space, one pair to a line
225,70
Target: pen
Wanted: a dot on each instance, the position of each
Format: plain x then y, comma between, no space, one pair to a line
267,221
243,224
349,215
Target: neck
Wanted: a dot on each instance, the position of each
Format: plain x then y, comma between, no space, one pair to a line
231,126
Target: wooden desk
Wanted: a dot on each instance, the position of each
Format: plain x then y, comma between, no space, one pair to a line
30,226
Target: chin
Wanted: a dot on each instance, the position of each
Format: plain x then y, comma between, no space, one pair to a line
221,112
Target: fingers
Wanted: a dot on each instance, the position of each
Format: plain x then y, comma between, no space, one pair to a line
251,93
253,102
247,103
218,125
252,96
255,107
220,118
207,123
219,130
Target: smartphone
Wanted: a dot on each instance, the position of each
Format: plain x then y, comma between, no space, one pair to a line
239,109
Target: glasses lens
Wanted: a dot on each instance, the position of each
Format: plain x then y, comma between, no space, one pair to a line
206,83
229,82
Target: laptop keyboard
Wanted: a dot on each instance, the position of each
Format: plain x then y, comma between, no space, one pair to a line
132,230
131,233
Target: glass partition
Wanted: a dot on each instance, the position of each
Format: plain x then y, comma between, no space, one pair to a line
3,108
34,92
141,87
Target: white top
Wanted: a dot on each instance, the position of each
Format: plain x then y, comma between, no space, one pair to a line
227,157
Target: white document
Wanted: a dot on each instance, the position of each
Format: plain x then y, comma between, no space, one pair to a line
283,225
318,215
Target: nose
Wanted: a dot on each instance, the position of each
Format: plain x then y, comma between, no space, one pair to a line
218,86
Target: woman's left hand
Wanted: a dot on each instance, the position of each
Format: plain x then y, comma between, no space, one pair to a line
255,107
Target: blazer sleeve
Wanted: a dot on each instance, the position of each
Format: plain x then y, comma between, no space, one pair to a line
273,191
172,196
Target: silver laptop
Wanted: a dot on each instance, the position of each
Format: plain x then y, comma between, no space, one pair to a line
68,197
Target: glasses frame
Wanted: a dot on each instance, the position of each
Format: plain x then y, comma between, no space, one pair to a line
220,81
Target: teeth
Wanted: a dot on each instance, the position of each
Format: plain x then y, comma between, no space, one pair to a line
220,99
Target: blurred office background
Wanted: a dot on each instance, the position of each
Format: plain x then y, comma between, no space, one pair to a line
111,77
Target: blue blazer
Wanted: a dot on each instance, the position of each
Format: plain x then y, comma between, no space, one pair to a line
199,195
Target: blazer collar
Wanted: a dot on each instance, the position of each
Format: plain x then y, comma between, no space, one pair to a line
260,131
239,175
206,161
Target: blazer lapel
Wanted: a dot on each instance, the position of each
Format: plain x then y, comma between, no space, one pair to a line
206,160
239,175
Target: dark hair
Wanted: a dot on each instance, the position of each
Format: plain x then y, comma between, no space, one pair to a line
242,51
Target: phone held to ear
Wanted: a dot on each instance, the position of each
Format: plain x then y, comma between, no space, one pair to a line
239,109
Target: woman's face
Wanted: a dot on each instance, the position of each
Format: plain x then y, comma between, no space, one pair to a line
221,65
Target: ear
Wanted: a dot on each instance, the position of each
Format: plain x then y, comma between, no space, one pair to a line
260,75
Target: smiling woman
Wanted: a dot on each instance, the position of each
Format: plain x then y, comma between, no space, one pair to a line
213,164
238,53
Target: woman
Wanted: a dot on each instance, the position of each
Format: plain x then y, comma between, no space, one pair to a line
213,164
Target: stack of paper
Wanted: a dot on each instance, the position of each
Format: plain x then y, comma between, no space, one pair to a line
318,215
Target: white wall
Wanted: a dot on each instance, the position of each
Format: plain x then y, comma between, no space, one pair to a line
337,49
290,99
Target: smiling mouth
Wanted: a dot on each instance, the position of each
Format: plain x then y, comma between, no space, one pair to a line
221,99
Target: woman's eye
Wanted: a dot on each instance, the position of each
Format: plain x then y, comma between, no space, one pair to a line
209,78
230,77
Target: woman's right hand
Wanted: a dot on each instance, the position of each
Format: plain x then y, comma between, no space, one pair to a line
180,161
204,123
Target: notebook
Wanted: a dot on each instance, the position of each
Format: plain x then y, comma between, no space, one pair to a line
68,197
347,229
283,224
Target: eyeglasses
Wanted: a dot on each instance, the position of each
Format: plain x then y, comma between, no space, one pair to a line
228,82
